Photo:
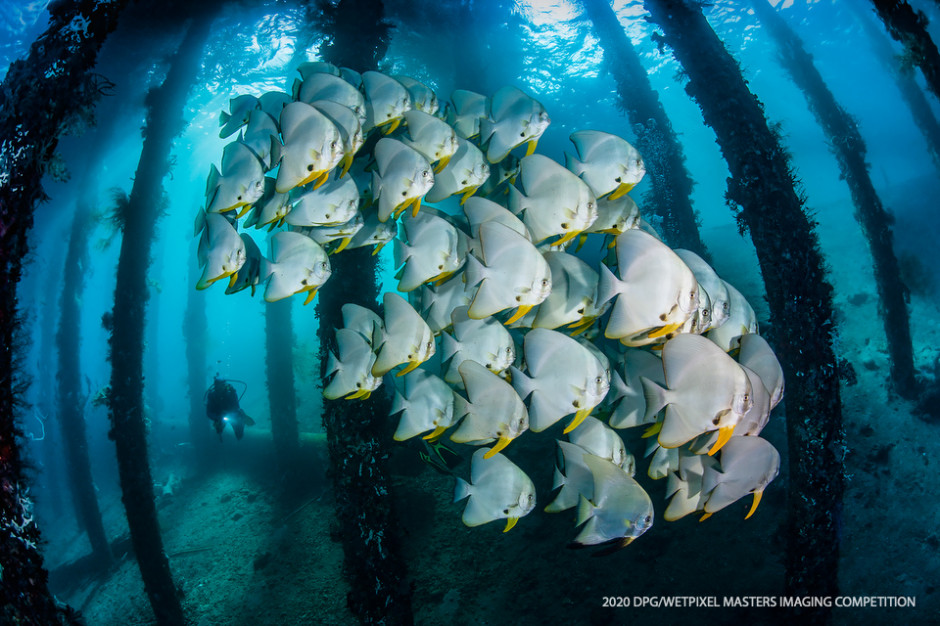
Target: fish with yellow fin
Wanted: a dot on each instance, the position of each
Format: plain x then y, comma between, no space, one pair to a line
494,410
607,163
498,489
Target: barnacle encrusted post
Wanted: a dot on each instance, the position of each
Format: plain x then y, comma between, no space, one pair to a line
69,397
357,432
39,97
656,140
164,121
799,295
909,28
849,147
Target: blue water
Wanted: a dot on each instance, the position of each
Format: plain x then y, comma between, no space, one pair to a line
547,49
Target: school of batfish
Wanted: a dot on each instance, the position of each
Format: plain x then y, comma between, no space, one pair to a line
527,333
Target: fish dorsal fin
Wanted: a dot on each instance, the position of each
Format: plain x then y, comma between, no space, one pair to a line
487,300
589,142
497,240
467,101
212,182
386,151
505,100
684,356
295,116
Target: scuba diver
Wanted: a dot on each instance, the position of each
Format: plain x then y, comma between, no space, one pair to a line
222,407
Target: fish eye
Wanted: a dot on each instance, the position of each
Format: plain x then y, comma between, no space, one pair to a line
424,173
429,344
333,145
545,282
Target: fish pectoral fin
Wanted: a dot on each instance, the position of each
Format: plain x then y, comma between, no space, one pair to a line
724,434
757,497
510,522
578,418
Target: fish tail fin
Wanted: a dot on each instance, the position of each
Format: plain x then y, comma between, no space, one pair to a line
655,398
474,271
585,511
516,200
400,252
461,490
608,286
449,346
275,156
332,363
573,165
399,404
710,479
521,383
558,479
461,406
487,128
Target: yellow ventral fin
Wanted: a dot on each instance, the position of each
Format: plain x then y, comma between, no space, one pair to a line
567,237
704,517
232,279
621,190
435,434
653,430
724,434
441,165
411,365
321,179
500,444
342,244
467,193
244,208
530,148
757,497
578,418
519,314
665,330
510,522
310,296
